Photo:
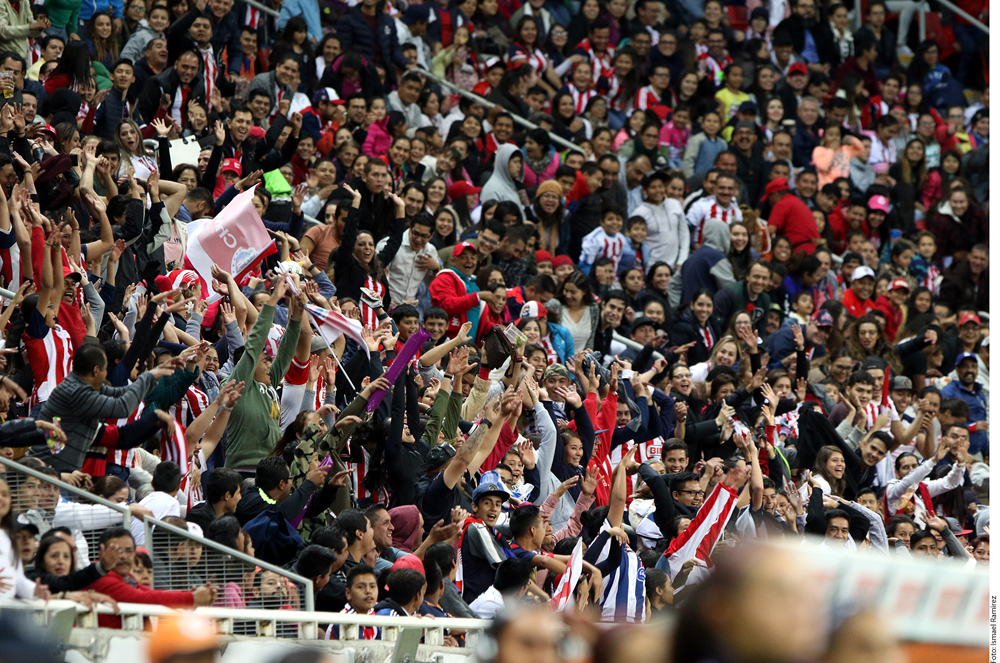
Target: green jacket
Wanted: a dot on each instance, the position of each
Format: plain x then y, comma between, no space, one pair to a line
254,428
64,14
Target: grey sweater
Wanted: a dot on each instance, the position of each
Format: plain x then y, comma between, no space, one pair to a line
82,409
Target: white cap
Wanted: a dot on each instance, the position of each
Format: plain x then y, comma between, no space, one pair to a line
861,272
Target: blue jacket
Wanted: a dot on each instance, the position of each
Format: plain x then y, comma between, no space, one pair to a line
977,410
562,342
309,10
781,344
628,257
354,33
226,35
91,7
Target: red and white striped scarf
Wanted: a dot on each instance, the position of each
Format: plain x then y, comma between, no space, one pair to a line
211,70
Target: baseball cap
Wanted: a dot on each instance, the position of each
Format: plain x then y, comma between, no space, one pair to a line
557,370
758,12
880,203
488,489
462,247
533,310
233,165
439,455
746,124
822,318
798,68
966,355
956,528
462,188
257,132
560,261
747,107
774,186
861,272
901,383
643,320
969,317
415,14
317,344
899,284
408,561
325,94
48,128
543,256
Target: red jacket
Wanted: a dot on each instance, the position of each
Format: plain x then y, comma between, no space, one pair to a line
854,306
448,292
893,317
795,221
115,586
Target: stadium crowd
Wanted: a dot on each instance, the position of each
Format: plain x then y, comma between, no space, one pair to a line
749,303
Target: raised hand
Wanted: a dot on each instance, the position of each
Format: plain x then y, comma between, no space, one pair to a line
589,485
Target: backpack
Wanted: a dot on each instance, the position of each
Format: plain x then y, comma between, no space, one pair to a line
274,539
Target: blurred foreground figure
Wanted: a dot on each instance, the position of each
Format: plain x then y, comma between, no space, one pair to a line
185,638
522,635
864,636
723,621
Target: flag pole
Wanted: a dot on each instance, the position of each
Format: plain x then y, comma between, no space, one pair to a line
332,352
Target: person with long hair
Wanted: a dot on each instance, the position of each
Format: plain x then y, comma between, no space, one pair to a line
910,174
540,158
958,225
526,49
445,229
294,41
67,137
73,69
567,123
828,471
327,52
866,339
437,192
697,326
581,314
762,90
101,40
548,209
10,561
357,264
940,86
135,158
657,279
727,352
623,86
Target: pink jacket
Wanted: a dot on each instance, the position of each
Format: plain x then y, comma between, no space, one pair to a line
531,178
379,141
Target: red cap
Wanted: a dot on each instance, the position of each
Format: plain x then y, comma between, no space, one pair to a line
899,284
969,317
257,132
533,310
774,186
559,261
49,128
408,562
462,188
542,256
233,165
798,68
461,247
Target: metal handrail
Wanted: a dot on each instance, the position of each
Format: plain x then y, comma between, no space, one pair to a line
964,14
69,488
489,104
308,600
133,616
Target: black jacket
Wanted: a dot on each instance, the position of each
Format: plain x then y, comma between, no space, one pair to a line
687,329
166,82
252,504
354,33
796,27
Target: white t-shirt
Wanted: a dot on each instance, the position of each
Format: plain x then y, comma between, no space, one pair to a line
162,505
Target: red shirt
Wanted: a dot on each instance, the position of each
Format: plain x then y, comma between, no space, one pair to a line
795,221
855,306
893,316
117,588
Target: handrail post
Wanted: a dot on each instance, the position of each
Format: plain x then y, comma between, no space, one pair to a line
964,14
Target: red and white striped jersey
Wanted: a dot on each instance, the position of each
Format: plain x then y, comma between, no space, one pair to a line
602,63
929,281
536,59
196,494
874,408
708,208
552,356
49,355
190,406
714,68
10,260
613,94
368,317
358,471
581,99
598,244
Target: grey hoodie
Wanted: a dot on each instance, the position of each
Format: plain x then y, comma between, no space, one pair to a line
501,186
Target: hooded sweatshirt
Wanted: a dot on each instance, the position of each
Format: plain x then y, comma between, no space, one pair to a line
501,186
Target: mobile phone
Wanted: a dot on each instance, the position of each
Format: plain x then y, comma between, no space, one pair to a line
74,159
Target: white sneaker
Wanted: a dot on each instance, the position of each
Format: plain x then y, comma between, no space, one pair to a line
904,51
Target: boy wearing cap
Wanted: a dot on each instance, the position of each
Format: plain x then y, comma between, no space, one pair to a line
891,303
858,298
481,547
790,216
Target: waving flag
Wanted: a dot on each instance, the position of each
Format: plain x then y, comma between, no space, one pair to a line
173,447
331,325
563,596
699,539
236,240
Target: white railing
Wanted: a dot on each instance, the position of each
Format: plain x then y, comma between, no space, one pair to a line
134,616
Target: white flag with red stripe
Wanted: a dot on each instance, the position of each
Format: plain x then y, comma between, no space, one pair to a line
173,447
332,324
562,598
699,539
236,240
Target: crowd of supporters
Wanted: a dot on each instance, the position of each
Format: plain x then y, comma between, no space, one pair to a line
749,302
